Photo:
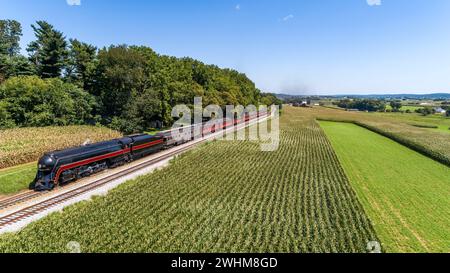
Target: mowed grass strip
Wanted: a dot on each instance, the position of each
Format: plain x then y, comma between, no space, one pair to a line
15,179
433,142
406,195
221,197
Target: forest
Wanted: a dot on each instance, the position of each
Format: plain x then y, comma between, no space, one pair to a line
127,88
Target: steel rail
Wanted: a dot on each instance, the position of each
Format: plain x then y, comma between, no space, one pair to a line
18,198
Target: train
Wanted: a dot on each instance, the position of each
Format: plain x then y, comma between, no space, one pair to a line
66,166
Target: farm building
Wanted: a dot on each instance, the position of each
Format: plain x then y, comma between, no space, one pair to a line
302,104
439,110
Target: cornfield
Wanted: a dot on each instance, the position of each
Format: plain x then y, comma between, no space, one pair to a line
221,197
25,145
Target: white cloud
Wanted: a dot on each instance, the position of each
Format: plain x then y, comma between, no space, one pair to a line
73,2
238,7
287,18
374,2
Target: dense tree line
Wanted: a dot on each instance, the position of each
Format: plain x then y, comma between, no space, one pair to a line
426,111
363,105
129,88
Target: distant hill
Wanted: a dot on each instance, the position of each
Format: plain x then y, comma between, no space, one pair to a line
285,96
288,97
434,96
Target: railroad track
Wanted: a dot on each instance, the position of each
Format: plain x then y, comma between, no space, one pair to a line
51,202
35,209
18,198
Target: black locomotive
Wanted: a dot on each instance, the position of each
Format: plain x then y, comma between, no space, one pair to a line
61,167
65,166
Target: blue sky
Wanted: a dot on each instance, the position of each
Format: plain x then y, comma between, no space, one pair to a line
291,46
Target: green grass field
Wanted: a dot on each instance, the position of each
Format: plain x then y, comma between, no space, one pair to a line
405,108
410,108
405,194
433,142
221,197
17,178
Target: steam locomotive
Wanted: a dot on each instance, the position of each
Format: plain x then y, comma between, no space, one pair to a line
65,166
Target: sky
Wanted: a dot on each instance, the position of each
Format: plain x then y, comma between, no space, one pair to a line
305,47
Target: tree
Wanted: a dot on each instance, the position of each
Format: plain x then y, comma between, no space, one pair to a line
82,63
5,117
345,103
131,88
10,33
31,101
270,99
15,66
363,105
121,76
141,113
446,107
11,62
396,106
49,51
425,111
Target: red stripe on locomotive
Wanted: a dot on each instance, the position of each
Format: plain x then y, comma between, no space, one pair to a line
102,157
